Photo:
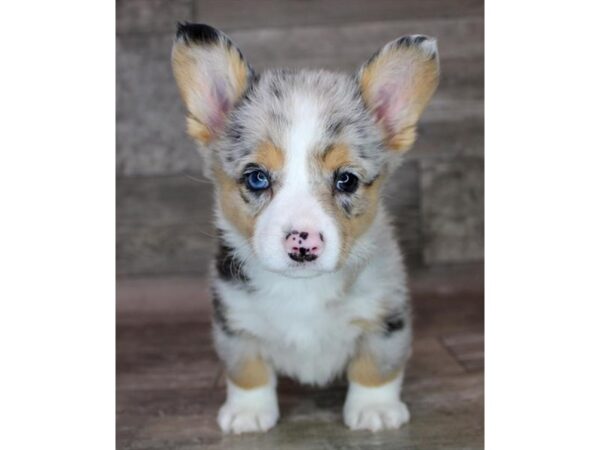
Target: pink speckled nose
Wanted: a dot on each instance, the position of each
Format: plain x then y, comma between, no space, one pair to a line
304,246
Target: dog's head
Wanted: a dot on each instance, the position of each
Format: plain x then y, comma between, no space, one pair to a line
298,158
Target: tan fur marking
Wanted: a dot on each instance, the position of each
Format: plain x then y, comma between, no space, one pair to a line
185,69
366,325
358,225
198,131
252,373
353,227
269,156
364,370
385,307
403,140
368,77
337,157
421,86
233,207
193,89
239,71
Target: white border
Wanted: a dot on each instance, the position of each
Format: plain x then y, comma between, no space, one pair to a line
542,225
58,225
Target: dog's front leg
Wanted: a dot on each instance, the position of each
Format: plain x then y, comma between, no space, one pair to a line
375,382
251,403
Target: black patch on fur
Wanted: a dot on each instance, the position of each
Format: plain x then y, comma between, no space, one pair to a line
361,130
372,58
220,314
404,41
237,148
197,33
228,266
229,44
393,323
276,89
373,149
356,92
284,74
408,41
347,207
335,128
234,132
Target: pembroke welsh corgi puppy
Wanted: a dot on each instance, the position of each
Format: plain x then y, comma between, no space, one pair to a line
308,281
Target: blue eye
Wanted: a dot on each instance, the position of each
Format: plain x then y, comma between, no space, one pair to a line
257,180
346,182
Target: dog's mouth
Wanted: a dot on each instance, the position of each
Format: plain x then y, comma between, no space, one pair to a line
303,273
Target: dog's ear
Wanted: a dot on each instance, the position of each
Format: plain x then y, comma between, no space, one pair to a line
211,75
397,83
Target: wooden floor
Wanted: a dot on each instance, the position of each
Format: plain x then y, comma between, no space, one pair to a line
170,384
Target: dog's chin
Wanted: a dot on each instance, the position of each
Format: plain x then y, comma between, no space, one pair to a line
305,270
303,273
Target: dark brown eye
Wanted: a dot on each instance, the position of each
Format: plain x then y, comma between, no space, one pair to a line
346,182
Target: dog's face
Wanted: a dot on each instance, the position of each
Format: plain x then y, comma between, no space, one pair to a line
298,158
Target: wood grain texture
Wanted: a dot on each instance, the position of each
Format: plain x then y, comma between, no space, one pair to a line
151,16
164,225
243,14
452,207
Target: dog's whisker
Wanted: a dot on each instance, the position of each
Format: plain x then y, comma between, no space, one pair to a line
197,180
204,233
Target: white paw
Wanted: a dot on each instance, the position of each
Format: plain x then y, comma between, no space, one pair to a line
376,416
246,419
248,410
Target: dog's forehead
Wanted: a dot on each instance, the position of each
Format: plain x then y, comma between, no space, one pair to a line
326,105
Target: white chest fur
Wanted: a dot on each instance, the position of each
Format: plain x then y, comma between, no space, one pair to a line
303,331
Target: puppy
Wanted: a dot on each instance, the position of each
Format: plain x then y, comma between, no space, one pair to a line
308,281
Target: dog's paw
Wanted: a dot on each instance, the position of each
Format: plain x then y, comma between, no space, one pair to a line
249,410
247,419
375,408
376,416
